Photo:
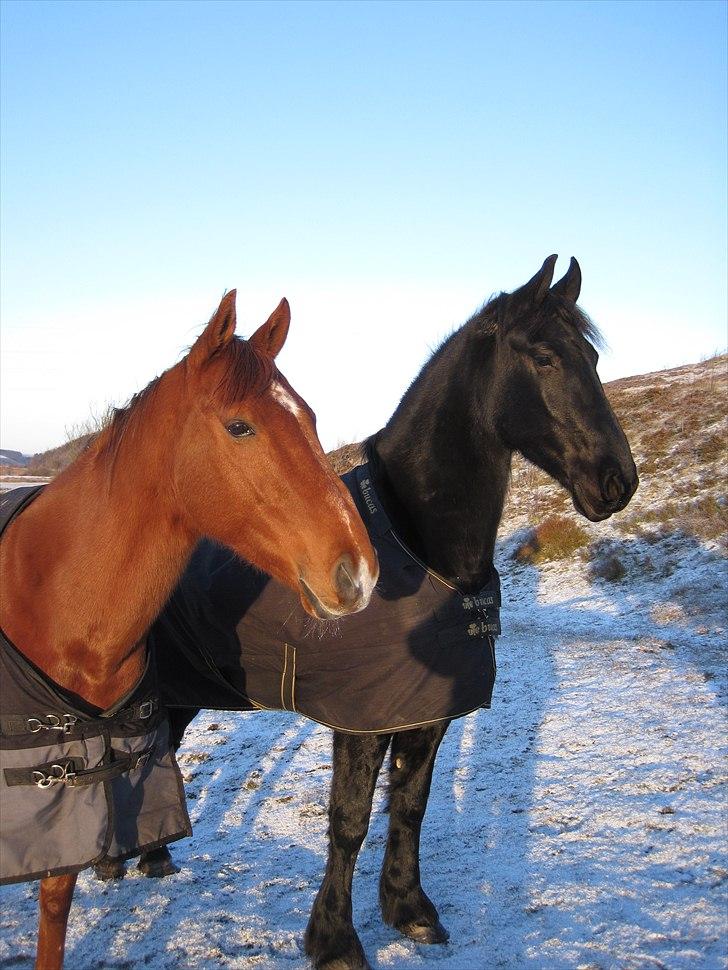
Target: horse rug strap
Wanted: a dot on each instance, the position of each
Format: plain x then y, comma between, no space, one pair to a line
76,785
421,652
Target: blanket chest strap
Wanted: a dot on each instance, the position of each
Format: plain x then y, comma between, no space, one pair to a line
69,771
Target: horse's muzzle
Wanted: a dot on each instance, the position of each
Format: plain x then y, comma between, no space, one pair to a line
616,488
352,584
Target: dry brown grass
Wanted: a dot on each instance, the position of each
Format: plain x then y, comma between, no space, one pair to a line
51,462
555,538
704,517
711,448
346,457
605,563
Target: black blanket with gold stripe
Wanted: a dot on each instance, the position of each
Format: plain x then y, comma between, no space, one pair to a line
231,638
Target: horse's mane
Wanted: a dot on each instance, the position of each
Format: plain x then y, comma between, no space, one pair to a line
245,373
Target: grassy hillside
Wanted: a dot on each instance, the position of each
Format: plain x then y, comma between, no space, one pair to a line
54,460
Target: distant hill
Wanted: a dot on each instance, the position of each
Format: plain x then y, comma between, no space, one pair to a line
12,459
53,461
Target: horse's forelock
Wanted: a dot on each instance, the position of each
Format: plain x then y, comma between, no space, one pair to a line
574,316
500,314
246,372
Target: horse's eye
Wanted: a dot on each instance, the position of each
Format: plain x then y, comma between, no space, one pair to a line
543,361
239,429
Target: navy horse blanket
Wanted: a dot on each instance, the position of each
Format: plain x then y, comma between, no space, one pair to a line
232,638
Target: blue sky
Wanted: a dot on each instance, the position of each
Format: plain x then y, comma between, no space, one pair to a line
386,166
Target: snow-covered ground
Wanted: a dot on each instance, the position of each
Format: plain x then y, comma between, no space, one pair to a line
581,823
9,482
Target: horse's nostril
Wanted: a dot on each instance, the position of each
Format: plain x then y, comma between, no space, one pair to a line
612,486
347,588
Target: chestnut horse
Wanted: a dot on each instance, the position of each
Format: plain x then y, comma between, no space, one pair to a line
220,445
520,375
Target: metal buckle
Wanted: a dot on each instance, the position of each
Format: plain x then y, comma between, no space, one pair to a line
146,710
35,724
142,759
56,774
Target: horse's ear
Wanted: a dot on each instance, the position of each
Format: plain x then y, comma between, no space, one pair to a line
538,286
269,338
569,286
218,332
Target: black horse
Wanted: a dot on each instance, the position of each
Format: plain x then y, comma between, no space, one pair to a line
520,375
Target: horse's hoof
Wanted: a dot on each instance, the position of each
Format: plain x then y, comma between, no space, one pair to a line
157,864
108,870
342,954
341,963
424,933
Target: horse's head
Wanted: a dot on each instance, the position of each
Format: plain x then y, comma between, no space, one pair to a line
250,471
550,404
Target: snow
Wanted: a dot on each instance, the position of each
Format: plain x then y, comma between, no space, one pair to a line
581,823
9,482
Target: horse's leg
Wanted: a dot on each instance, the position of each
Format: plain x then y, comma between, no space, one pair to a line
404,903
159,862
331,939
56,893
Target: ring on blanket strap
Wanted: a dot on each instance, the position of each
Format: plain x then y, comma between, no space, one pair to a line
14,724
68,772
55,724
56,774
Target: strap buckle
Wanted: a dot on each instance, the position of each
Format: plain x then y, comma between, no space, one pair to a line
54,723
146,710
55,775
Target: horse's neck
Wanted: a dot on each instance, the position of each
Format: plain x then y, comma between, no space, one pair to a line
86,568
443,480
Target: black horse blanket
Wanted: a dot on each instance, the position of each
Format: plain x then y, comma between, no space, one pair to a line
76,784
231,638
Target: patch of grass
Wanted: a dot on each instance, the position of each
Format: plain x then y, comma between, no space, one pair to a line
659,441
712,447
647,398
705,517
643,521
555,538
606,564
612,560
345,457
